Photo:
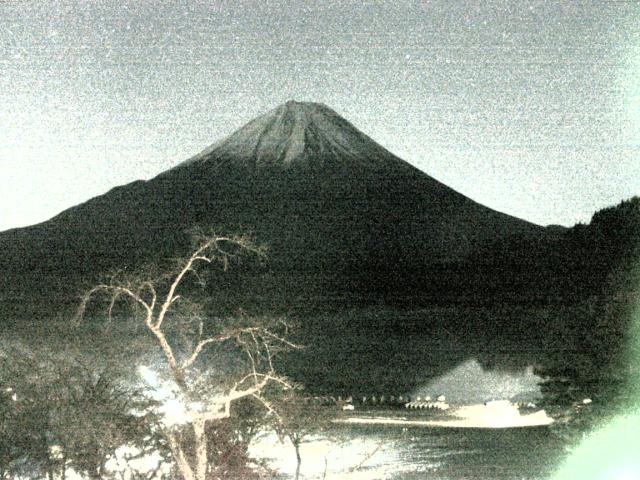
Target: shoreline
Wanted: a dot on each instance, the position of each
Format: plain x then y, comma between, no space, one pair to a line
473,416
432,423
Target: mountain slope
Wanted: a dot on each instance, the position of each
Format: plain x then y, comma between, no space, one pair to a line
324,196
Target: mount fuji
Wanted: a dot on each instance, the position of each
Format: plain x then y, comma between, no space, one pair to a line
325,198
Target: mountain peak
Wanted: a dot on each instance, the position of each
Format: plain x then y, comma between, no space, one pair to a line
296,104
296,134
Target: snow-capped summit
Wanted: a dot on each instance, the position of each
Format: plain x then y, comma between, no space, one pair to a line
298,133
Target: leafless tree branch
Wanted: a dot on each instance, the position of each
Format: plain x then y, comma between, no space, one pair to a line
157,298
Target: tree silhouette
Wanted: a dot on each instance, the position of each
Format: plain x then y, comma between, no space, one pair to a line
241,349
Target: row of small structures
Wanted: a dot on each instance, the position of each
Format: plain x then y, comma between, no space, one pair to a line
416,403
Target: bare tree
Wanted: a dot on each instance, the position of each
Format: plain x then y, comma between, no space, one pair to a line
299,420
156,303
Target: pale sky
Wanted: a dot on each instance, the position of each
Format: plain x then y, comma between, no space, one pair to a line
529,107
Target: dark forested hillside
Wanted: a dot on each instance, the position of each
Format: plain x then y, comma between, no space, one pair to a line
598,360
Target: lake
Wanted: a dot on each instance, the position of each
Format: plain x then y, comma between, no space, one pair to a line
359,452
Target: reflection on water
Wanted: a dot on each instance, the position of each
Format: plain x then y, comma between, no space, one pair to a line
359,452
495,414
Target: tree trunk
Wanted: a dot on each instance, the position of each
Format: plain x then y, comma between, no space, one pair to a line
95,474
181,460
296,445
201,448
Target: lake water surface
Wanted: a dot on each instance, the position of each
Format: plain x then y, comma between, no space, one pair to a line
394,452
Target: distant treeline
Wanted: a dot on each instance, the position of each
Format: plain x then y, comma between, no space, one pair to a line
576,263
566,266
606,258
